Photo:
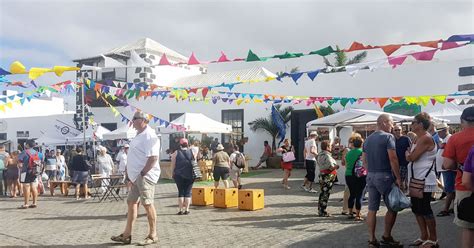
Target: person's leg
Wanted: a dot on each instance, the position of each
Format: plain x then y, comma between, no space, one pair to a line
226,183
345,200
151,215
131,217
420,220
26,193
350,184
34,192
360,185
324,195
431,226
78,189
371,224
86,191
180,204
467,238
187,196
187,203
390,218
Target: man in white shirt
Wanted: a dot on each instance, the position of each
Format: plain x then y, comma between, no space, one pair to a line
310,153
143,171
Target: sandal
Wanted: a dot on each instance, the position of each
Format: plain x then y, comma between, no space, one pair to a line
390,241
358,218
33,206
374,243
120,238
324,214
23,207
148,241
417,242
443,213
430,244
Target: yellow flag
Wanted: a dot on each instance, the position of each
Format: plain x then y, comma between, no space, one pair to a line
424,100
239,101
318,111
9,105
37,72
59,70
440,99
2,108
17,68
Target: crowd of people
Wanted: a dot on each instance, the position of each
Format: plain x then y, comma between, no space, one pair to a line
387,158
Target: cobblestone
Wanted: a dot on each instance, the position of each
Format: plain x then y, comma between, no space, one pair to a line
288,220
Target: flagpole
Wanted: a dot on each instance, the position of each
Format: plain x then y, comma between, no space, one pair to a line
83,116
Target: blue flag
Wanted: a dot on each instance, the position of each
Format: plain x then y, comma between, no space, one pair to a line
279,123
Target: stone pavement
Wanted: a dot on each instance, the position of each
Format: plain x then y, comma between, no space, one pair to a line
288,220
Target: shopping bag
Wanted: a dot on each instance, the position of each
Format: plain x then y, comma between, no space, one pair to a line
288,156
397,201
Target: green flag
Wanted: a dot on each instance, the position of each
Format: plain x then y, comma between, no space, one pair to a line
323,52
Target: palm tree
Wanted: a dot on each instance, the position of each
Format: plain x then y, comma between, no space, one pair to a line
341,59
267,125
293,70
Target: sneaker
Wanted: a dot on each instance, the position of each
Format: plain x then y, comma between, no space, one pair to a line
312,191
303,187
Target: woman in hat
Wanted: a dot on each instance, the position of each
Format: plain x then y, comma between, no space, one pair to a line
221,165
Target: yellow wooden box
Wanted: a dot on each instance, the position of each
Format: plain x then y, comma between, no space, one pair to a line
202,196
251,199
226,198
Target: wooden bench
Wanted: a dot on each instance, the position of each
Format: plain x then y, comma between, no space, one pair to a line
64,187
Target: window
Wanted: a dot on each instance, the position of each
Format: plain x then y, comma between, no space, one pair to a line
235,118
108,75
3,136
110,126
22,134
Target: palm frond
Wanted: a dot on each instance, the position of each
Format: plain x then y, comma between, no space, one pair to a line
295,69
264,124
326,62
358,58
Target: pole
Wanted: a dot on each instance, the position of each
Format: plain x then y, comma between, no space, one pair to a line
83,116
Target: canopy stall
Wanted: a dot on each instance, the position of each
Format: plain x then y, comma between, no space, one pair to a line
91,134
124,132
199,123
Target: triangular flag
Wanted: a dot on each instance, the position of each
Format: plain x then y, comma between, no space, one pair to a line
2,108
449,45
323,52
17,68
59,70
312,74
424,100
296,76
425,55
192,60
396,61
252,57
204,92
239,101
382,101
3,72
164,60
440,99
223,58
389,49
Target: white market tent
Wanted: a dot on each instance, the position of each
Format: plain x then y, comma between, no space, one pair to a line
48,139
449,111
199,123
124,132
353,117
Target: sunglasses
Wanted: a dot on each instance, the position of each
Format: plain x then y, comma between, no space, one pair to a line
137,118
397,130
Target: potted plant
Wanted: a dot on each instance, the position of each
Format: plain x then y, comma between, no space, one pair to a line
267,125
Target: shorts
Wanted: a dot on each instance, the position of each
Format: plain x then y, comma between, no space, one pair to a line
448,180
286,165
142,189
263,158
221,173
80,177
378,184
51,174
234,173
422,206
310,170
460,195
26,177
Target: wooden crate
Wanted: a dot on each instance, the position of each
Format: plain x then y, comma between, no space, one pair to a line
202,196
226,198
251,199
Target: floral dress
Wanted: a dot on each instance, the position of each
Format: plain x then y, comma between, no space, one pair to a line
327,177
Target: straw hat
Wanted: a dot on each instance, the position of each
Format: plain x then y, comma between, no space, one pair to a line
220,147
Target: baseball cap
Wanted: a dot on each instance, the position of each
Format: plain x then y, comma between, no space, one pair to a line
468,114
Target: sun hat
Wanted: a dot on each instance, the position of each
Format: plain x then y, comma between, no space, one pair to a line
220,147
313,133
126,146
441,126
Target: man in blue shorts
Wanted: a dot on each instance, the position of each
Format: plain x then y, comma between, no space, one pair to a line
380,159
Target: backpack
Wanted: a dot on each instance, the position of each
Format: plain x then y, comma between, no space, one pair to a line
359,169
34,162
239,160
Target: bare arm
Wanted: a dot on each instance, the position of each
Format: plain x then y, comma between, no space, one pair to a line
449,164
173,160
364,160
392,156
424,144
466,180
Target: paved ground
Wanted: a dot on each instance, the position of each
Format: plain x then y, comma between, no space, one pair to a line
288,220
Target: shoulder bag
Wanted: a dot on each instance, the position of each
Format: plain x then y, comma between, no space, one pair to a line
289,156
416,187
197,175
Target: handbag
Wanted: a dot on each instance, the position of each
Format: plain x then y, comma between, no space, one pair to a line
289,156
197,175
416,187
465,207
